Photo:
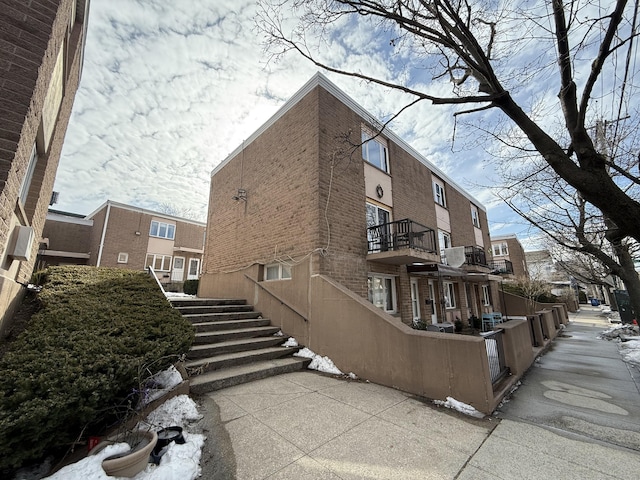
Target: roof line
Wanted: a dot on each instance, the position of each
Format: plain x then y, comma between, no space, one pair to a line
145,211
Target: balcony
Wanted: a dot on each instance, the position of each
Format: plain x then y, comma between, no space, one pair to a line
501,267
475,257
401,242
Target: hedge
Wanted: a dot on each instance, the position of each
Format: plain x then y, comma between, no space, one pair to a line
80,357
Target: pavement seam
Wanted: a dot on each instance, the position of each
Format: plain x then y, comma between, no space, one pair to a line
476,450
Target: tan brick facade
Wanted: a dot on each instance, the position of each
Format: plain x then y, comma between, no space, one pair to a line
515,254
41,47
306,193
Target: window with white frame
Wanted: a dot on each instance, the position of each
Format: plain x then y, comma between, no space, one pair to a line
486,298
444,240
123,257
162,230
26,181
500,249
438,192
277,271
475,216
449,295
160,263
374,150
382,292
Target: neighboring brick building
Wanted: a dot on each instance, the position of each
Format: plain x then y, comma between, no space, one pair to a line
301,198
41,54
123,236
509,258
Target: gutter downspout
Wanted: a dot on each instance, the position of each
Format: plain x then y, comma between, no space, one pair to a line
104,232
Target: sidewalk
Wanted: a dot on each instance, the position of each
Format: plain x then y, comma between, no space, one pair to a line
576,416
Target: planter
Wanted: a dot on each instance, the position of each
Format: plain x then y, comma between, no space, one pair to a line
132,462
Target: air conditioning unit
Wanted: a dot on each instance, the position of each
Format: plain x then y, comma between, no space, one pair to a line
23,241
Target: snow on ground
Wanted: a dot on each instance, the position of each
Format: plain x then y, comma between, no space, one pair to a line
160,383
451,402
628,337
178,294
291,342
179,461
318,362
630,351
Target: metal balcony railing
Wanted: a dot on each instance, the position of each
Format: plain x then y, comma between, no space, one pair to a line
502,267
399,235
475,256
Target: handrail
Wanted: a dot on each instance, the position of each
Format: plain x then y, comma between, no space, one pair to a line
399,235
282,302
153,274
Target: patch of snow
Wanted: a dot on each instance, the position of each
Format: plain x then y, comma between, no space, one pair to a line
278,334
451,402
291,342
630,351
352,376
178,461
178,294
160,383
318,362
620,332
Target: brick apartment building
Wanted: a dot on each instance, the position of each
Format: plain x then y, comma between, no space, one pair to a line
41,56
124,236
509,258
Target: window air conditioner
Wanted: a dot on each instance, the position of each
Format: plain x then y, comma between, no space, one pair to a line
23,237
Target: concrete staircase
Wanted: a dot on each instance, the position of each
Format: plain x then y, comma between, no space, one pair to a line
233,345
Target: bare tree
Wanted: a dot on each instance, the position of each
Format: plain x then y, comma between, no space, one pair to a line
489,52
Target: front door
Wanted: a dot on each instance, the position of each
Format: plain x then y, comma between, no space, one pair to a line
415,300
177,274
194,269
432,296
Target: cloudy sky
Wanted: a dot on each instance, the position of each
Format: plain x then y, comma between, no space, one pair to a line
170,88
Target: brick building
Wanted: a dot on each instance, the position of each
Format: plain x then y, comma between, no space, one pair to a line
41,55
300,197
124,236
509,259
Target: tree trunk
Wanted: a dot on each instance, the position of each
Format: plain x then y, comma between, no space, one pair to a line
630,278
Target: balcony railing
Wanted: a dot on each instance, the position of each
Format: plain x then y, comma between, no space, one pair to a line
399,235
502,267
475,256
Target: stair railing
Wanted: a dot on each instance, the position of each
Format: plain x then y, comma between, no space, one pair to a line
153,274
282,302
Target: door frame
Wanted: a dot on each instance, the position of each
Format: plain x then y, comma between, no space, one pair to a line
414,288
174,270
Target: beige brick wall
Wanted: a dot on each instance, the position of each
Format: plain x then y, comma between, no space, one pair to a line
120,237
68,237
517,257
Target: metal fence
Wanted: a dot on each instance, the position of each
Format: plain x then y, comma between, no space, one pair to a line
495,354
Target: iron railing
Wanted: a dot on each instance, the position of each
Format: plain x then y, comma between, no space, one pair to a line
475,256
495,354
502,266
399,235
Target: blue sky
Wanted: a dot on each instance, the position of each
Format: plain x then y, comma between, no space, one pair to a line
170,88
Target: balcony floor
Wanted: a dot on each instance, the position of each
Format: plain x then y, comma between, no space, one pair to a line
404,256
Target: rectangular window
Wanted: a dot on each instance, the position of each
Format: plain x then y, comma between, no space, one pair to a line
374,151
277,271
123,257
500,249
438,192
160,263
382,292
444,240
379,238
162,230
475,216
449,295
28,176
486,298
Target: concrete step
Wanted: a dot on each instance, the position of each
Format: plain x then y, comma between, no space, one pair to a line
195,301
231,324
236,345
214,317
187,310
228,377
226,360
222,335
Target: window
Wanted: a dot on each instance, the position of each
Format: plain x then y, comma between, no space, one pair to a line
123,257
160,263
374,151
162,230
500,249
475,217
486,298
382,292
379,238
28,176
444,240
438,192
194,269
277,271
449,295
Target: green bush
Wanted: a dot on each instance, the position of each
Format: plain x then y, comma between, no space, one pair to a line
190,287
80,357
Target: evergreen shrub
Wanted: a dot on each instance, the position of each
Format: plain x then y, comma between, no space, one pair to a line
190,287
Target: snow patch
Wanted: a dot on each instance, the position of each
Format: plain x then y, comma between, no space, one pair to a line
451,402
291,342
318,362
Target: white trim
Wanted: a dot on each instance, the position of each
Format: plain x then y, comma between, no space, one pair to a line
123,257
320,80
59,217
104,233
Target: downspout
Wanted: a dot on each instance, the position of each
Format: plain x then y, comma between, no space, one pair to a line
104,233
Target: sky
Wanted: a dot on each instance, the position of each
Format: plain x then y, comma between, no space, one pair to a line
170,88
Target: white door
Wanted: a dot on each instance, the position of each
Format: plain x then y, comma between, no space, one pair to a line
177,274
194,269
415,299
432,295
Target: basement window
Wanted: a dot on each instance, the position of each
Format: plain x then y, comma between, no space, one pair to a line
277,271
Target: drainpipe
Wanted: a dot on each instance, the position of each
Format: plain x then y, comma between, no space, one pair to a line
104,232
